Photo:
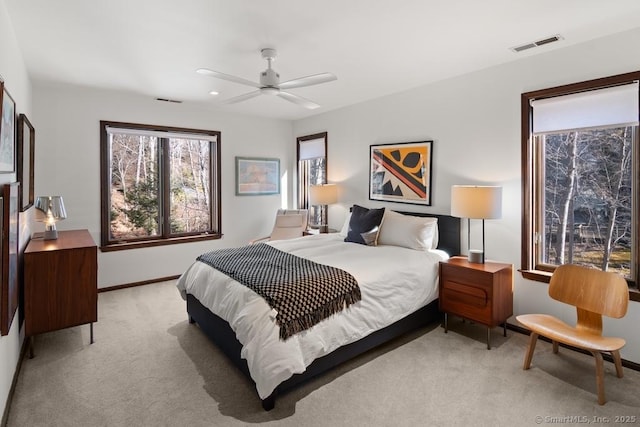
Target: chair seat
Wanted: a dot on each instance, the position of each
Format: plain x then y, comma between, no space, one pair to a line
555,329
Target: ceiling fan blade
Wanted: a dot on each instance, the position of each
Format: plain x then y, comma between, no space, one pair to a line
239,98
298,100
308,81
228,77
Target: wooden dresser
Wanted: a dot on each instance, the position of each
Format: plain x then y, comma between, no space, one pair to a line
60,283
482,293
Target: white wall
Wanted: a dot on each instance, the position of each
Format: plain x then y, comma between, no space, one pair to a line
68,164
474,121
13,70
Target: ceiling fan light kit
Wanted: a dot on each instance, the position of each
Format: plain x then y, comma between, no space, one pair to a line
270,83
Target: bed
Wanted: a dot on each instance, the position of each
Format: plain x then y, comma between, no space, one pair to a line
395,300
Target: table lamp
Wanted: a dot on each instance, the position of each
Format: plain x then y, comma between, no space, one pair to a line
476,202
323,195
50,209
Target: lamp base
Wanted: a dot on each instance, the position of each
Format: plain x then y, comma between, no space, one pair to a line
476,256
50,235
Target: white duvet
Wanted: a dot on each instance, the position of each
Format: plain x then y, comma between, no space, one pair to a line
394,282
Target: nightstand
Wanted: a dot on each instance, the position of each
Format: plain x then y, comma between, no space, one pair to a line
482,293
60,283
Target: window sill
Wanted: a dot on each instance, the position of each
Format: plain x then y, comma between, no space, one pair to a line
120,246
545,277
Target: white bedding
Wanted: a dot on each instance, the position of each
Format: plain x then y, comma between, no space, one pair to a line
394,282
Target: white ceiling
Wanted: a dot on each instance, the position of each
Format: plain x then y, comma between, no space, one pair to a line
374,47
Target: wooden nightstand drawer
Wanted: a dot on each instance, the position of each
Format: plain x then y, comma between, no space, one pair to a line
468,301
476,278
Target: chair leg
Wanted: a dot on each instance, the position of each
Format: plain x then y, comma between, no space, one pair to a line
618,362
533,338
599,377
555,347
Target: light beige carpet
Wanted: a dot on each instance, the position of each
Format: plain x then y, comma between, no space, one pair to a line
150,367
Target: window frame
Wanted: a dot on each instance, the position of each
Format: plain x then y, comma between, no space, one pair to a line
166,238
529,269
303,190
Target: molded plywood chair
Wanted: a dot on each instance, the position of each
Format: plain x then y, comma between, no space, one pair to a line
594,293
290,223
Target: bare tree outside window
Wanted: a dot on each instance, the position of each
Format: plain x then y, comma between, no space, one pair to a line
190,187
317,175
588,198
135,208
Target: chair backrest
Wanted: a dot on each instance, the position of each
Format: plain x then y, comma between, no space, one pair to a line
596,291
290,223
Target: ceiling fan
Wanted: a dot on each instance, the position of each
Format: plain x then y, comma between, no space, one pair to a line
270,83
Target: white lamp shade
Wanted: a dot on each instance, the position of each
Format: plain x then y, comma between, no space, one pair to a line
477,202
326,194
48,208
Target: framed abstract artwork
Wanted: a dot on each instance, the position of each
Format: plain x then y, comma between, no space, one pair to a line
257,176
7,131
26,148
401,172
10,297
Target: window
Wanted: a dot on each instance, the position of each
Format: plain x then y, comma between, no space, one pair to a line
580,177
312,170
159,185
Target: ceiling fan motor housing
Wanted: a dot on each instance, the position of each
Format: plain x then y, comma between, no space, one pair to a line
269,78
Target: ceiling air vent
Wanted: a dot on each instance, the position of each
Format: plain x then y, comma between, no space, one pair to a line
175,101
542,42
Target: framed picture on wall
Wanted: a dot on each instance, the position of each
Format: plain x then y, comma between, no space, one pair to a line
9,253
257,176
26,149
401,172
7,131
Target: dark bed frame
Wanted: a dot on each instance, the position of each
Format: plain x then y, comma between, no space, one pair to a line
220,332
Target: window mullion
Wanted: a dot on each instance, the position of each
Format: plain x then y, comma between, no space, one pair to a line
165,187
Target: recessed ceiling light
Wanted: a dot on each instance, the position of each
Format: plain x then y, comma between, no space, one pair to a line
214,93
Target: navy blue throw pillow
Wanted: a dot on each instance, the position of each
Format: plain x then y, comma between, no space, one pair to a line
364,225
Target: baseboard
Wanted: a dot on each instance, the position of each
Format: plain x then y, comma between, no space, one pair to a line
606,356
134,284
14,382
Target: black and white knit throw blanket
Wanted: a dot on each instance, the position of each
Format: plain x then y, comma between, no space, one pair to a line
302,292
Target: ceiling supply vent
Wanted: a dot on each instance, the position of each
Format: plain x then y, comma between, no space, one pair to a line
542,42
175,101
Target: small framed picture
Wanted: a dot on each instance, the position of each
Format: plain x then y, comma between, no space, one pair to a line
401,172
257,176
7,131
26,148
9,251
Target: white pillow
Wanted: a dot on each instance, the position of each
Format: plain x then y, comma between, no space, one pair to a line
413,232
345,227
